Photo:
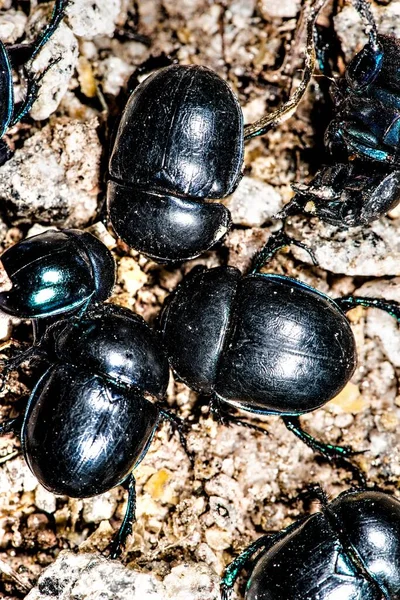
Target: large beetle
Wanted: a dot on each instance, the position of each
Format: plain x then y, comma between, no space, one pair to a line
179,146
350,550
262,343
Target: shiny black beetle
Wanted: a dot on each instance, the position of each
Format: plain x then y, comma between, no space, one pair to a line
89,419
350,550
180,141
263,343
55,273
13,56
363,183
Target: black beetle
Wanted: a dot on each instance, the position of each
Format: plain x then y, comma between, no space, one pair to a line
263,343
89,420
350,550
179,142
363,183
54,273
13,55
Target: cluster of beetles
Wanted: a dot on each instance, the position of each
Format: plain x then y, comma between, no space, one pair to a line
263,344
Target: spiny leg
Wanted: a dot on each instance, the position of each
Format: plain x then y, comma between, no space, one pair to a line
242,561
32,92
56,18
129,518
179,427
339,454
390,306
11,425
287,110
275,242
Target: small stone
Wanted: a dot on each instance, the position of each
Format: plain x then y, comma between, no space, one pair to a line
99,508
45,500
349,400
88,18
59,55
130,275
282,9
114,73
360,251
87,79
12,26
159,489
93,577
218,539
54,177
253,203
192,582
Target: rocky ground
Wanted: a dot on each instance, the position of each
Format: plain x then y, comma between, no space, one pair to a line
190,522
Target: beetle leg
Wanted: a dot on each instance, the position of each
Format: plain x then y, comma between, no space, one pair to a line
340,454
288,109
242,561
11,426
56,18
129,518
348,302
178,426
275,242
32,92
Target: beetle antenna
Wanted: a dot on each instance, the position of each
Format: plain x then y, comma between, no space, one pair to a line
288,109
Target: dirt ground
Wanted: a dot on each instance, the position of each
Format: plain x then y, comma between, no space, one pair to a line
244,483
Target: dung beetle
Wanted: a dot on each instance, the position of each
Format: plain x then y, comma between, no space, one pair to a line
179,144
14,55
89,420
263,343
349,550
363,181
54,273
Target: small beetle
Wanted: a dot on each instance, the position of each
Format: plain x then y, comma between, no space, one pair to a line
364,137
350,550
179,142
263,343
11,56
89,422
54,273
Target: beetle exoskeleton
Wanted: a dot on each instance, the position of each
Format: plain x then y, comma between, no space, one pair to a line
56,272
264,343
88,422
179,143
90,417
350,550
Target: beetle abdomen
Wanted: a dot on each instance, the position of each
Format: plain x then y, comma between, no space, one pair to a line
82,435
164,226
292,349
182,132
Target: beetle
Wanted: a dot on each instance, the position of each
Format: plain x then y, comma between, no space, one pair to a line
54,273
180,142
349,550
13,55
263,343
363,182
90,418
